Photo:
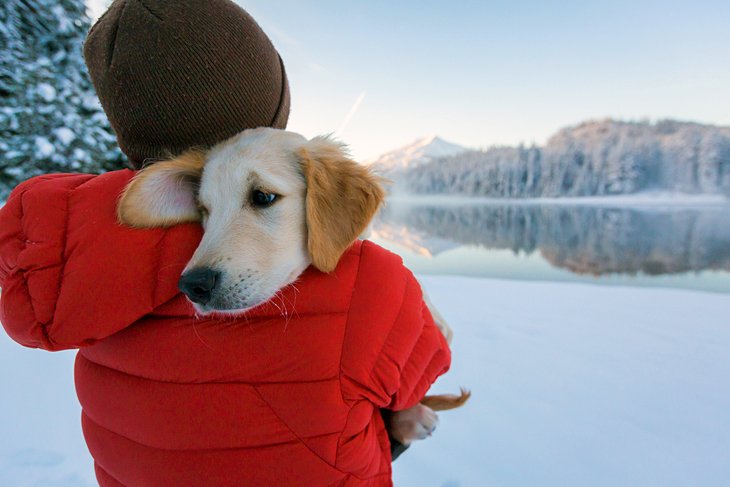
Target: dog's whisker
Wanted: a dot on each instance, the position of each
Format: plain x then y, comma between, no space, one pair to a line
282,309
293,305
287,317
195,329
277,307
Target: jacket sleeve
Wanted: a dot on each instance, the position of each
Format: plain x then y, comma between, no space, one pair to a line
71,275
31,256
393,351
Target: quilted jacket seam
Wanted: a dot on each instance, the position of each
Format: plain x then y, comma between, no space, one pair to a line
64,257
109,474
137,442
24,239
379,356
286,425
342,347
433,359
232,383
424,379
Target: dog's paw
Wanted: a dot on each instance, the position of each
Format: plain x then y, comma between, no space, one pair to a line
416,423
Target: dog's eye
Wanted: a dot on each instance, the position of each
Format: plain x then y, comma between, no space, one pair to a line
262,200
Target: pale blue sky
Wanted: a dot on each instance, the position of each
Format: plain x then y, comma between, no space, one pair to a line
481,73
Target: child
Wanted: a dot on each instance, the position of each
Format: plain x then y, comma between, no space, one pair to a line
169,399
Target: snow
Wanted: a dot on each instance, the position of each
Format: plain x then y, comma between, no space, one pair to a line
91,103
573,385
607,157
578,385
65,23
44,148
40,430
420,152
65,135
47,92
96,8
15,172
50,108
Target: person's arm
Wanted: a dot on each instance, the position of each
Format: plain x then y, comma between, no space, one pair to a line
393,352
32,239
397,374
70,273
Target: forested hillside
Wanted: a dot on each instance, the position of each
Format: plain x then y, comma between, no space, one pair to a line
595,158
50,119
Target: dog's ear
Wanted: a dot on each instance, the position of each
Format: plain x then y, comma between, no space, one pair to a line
342,198
163,194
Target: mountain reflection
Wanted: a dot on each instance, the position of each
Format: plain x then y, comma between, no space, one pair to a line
582,239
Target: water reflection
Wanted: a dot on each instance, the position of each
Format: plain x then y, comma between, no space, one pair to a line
586,240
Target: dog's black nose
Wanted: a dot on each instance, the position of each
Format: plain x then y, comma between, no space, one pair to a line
198,284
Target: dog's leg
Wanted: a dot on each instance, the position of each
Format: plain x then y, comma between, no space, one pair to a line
416,423
420,421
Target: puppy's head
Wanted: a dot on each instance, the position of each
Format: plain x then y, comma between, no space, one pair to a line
271,203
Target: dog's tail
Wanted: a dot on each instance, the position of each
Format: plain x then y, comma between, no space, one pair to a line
445,402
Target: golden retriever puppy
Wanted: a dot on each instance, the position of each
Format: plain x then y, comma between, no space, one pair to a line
272,203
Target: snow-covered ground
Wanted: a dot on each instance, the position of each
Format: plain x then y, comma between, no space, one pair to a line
40,420
574,385
577,385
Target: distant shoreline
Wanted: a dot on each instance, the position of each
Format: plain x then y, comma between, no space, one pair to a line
658,199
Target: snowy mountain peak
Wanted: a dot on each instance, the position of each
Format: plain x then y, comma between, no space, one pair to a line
415,154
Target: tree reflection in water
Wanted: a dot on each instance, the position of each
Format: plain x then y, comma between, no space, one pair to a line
582,239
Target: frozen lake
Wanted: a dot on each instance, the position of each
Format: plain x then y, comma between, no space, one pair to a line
684,246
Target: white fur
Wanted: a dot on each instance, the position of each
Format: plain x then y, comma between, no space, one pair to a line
416,423
258,250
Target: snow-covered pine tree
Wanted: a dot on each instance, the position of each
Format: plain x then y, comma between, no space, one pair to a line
591,159
50,120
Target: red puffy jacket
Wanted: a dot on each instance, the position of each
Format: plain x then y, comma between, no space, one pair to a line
288,395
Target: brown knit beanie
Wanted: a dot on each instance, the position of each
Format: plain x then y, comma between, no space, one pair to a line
176,74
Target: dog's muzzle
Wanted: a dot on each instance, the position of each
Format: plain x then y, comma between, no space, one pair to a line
198,284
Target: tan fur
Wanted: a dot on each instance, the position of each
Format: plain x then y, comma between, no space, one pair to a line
342,198
143,205
446,402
